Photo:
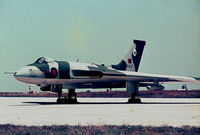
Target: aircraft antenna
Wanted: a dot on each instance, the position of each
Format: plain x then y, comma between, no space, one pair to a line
9,72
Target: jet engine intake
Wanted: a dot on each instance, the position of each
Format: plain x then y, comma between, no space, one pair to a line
82,74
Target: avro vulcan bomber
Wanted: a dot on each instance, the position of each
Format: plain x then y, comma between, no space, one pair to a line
53,75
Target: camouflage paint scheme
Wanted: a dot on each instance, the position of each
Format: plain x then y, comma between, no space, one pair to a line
73,75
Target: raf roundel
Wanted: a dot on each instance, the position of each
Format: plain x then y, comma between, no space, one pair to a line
54,72
134,52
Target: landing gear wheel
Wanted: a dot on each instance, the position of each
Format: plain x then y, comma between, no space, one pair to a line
133,99
59,100
72,97
62,101
136,100
72,101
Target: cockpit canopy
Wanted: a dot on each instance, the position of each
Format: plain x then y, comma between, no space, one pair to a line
44,60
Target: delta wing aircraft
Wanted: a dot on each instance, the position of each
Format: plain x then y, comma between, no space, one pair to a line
53,75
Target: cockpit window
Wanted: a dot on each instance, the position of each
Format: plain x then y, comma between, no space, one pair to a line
44,60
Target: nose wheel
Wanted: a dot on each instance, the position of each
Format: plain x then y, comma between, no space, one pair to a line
70,99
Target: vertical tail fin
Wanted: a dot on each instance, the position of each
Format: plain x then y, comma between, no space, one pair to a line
131,61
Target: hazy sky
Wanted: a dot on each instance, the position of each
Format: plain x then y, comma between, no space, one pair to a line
100,31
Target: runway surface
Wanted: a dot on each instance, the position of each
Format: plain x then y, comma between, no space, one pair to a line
100,111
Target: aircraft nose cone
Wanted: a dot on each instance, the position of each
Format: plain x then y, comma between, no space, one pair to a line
23,72
28,73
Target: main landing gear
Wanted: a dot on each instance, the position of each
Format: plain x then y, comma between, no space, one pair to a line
133,98
133,87
70,99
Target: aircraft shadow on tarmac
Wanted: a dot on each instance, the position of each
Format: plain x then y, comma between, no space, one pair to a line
79,103
92,103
